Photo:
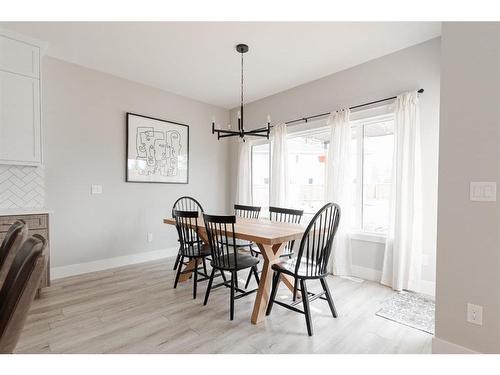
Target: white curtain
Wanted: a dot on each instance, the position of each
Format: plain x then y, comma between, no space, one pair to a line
279,166
340,188
243,182
403,248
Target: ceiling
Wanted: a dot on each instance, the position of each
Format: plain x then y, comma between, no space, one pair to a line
198,59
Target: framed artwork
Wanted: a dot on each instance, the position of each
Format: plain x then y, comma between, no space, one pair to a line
157,150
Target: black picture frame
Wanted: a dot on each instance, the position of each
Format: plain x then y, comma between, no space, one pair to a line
127,169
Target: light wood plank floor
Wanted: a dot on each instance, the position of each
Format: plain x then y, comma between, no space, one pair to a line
135,309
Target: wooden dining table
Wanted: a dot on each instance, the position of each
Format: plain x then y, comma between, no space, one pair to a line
271,238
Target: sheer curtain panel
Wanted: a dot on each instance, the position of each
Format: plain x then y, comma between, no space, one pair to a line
403,248
339,187
243,183
279,166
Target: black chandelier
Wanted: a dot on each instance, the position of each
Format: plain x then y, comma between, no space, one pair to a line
260,132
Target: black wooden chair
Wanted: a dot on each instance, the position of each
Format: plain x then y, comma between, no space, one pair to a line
192,247
310,264
282,215
19,290
186,204
225,256
15,236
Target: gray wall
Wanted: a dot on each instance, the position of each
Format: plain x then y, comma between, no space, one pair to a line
84,131
408,69
468,242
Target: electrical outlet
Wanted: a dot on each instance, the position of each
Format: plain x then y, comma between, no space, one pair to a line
483,191
475,314
150,237
96,189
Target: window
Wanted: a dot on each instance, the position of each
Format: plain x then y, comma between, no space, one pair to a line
260,174
306,170
372,147
372,151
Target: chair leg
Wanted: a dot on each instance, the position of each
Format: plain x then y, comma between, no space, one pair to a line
233,281
195,283
236,279
294,298
329,297
307,311
204,266
177,261
223,276
179,269
256,274
248,278
207,293
276,281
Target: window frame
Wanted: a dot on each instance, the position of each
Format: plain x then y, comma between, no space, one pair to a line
358,232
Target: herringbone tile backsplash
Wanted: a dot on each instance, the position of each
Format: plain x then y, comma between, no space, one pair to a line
21,187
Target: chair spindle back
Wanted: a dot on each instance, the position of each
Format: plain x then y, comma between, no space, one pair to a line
186,223
316,244
220,233
248,212
187,204
286,215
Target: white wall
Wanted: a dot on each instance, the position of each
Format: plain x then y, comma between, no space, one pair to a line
468,241
408,69
84,132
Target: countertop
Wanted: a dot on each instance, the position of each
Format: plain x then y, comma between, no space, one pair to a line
24,211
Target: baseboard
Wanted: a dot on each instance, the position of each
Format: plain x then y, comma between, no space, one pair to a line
366,273
104,264
440,346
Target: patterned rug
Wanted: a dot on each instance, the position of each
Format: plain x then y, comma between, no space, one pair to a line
411,309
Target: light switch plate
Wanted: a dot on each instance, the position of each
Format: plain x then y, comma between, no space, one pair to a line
475,314
96,189
483,191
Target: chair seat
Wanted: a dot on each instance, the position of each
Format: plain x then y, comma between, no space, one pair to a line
196,250
305,271
244,261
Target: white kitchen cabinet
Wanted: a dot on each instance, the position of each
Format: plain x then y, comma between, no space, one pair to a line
19,57
20,138
20,109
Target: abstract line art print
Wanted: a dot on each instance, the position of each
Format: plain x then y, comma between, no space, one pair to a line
157,150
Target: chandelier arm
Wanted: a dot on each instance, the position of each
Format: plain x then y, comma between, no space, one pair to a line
229,135
257,135
222,131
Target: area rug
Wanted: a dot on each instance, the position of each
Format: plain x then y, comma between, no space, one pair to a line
411,309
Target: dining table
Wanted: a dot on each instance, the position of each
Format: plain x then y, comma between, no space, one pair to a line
270,237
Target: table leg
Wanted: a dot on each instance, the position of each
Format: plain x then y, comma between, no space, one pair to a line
271,255
188,270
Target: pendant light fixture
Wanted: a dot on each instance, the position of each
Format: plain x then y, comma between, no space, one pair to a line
260,132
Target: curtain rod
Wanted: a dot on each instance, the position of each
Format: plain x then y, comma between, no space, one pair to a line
306,119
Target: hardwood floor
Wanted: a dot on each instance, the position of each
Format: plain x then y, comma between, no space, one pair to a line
135,309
